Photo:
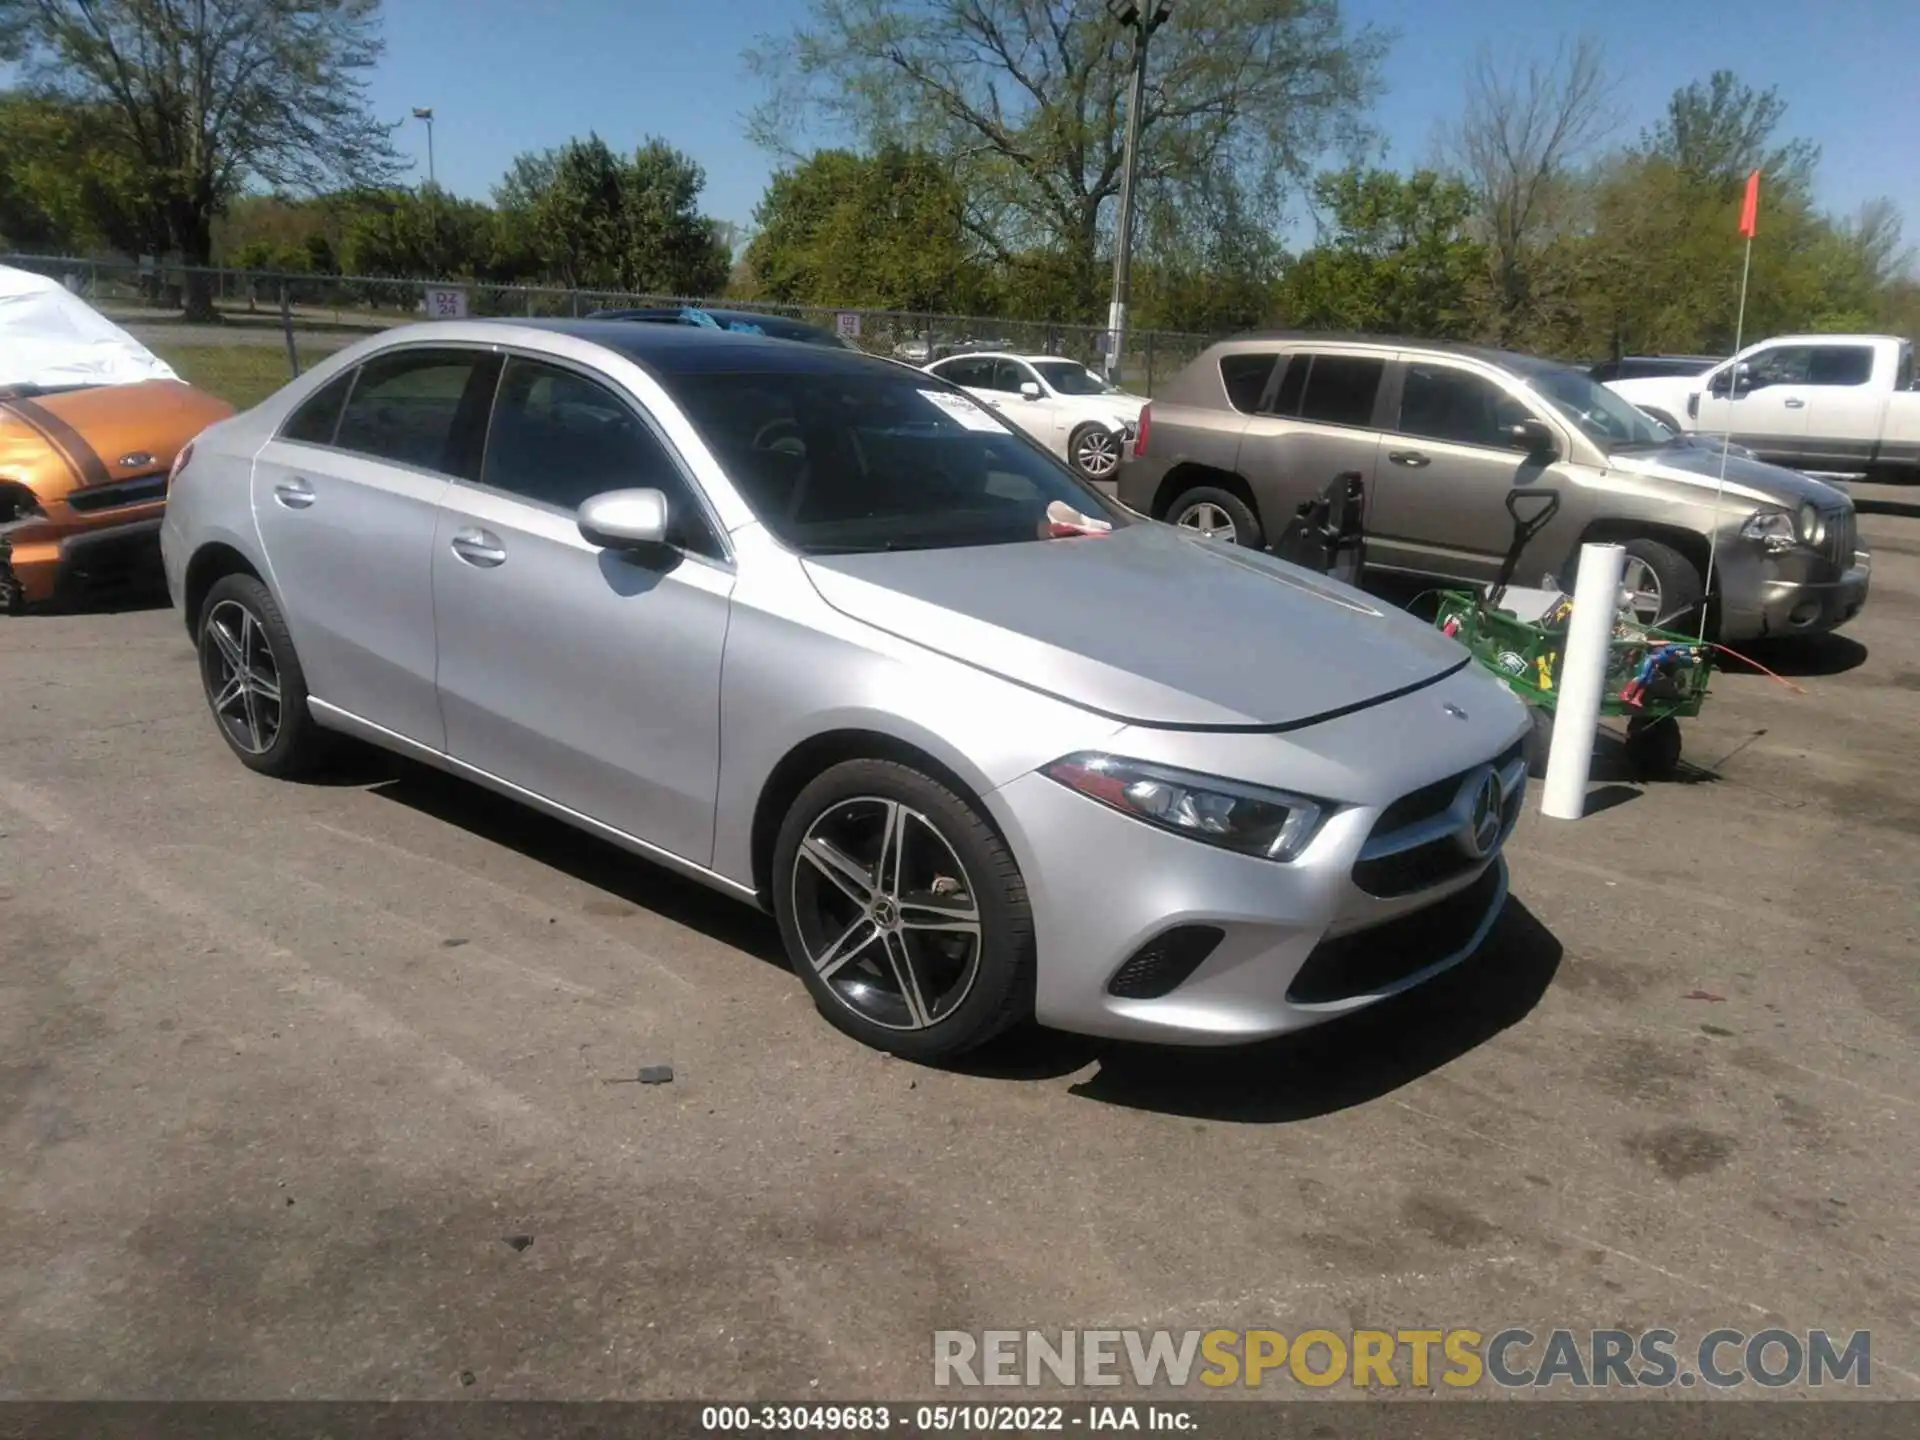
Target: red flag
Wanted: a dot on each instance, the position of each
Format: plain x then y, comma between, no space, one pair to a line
1750,210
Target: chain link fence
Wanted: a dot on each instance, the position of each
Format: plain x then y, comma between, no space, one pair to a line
310,314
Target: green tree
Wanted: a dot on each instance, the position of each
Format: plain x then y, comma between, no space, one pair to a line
669,247
204,98
419,234
62,186
1024,102
1398,258
1719,131
884,230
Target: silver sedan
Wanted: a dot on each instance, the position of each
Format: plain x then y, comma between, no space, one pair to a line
825,634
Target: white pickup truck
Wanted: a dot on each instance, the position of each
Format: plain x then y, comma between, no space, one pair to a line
1812,402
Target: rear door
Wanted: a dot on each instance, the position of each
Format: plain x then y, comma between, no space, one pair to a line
346,497
1439,503
1321,419
1844,407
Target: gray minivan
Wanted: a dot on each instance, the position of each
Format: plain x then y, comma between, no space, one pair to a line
1257,426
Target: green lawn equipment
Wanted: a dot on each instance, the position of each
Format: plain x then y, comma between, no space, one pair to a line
1653,676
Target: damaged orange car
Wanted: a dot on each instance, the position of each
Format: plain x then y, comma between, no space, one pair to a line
90,423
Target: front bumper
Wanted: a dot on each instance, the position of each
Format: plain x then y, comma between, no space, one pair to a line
43,560
1788,600
1297,944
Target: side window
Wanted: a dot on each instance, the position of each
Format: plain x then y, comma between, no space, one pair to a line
559,438
1286,400
1439,402
1903,374
1341,389
403,406
318,416
1839,365
1782,365
1010,375
1245,377
972,373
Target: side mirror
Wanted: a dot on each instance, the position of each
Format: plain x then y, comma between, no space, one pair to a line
633,520
1535,437
1734,381
1029,390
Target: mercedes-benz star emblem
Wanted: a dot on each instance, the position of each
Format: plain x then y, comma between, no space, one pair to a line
1485,815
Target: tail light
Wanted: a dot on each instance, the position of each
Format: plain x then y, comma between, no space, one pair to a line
179,463
1140,436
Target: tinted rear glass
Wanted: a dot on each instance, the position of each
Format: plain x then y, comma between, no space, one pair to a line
1245,377
1341,388
1840,365
403,406
319,414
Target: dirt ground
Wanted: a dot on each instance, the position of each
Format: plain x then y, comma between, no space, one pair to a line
288,1072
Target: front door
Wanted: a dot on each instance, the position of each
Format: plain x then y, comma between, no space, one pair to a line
346,498
1439,499
1768,411
586,676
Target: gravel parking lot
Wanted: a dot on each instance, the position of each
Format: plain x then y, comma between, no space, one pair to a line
284,1069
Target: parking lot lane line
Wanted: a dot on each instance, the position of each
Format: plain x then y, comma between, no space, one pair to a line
446,1072
473,952
527,904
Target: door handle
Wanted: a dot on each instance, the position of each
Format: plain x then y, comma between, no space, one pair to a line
479,547
295,494
1796,404
1412,458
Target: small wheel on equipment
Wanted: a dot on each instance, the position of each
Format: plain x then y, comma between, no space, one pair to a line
1653,746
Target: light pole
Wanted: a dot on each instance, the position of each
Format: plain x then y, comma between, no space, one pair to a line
425,112
1142,17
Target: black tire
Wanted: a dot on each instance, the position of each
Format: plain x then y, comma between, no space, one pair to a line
296,744
1083,465
1682,588
964,996
1246,524
1538,741
1653,746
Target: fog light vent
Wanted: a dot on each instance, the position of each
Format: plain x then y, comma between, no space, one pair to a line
1163,964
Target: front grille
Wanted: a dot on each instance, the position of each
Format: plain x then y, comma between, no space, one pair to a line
1838,537
1164,963
133,491
1414,844
1369,961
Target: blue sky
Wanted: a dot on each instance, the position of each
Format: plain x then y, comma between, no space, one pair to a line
505,76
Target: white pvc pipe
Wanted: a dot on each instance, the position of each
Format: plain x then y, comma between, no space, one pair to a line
1582,681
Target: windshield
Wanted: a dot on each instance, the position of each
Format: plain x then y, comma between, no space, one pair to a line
1067,378
1604,416
850,461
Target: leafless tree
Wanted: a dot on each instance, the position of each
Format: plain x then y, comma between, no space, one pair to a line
1526,128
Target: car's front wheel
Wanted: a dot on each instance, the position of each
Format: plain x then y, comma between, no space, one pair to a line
253,681
903,911
1094,451
1664,588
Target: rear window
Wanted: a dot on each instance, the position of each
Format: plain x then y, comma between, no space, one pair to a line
403,407
1245,377
319,414
1341,389
1840,365
1903,377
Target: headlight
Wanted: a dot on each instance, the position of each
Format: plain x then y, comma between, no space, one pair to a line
1810,526
1772,528
1254,821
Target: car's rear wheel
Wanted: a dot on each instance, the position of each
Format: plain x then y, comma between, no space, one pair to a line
1664,587
1218,514
903,911
1094,451
253,681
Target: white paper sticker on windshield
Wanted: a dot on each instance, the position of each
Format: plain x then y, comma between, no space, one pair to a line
958,407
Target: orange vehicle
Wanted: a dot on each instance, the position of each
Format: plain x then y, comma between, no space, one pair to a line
90,422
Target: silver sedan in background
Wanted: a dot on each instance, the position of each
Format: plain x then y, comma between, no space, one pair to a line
809,627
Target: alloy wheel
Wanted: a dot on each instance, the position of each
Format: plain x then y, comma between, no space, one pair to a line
1643,591
242,679
1210,520
886,913
1097,454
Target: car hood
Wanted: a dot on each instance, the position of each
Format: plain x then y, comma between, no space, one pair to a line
55,443
1147,625
1747,479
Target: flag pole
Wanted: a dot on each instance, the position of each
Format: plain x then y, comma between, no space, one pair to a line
1749,218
